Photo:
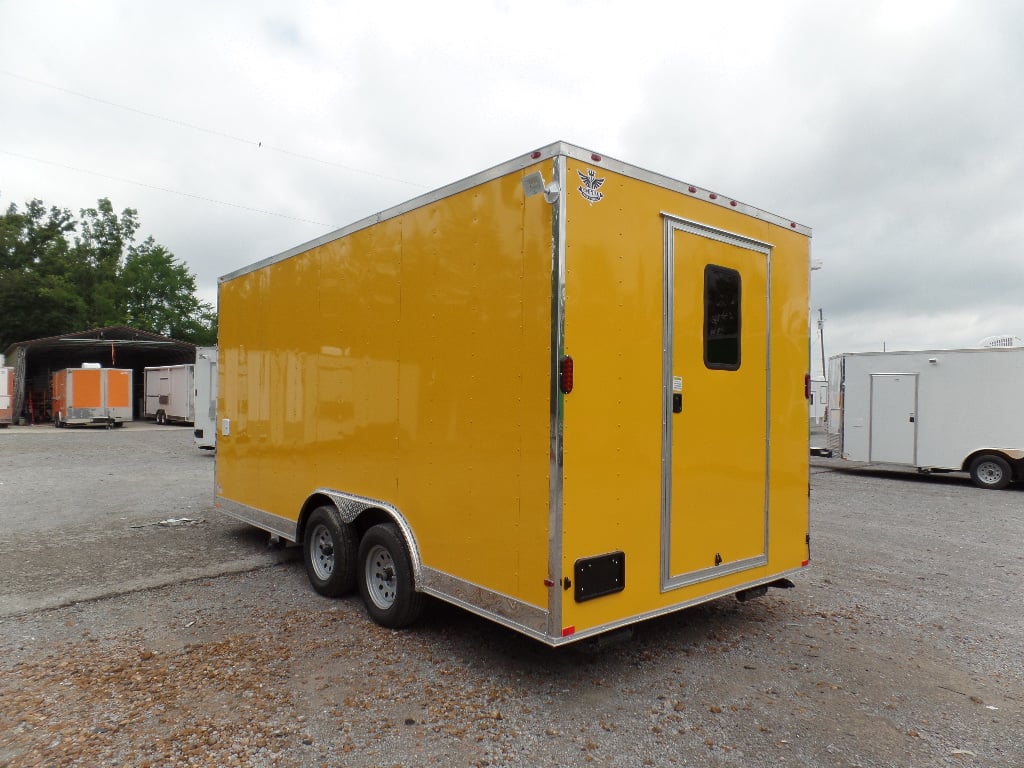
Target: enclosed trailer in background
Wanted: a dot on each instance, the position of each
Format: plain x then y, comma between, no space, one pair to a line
818,400
6,394
566,394
169,394
939,411
205,427
92,395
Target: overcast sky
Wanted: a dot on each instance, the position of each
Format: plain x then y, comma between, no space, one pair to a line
894,129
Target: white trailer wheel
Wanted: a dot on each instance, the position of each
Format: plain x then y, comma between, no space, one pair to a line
380,577
322,552
386,579
329,551
991,471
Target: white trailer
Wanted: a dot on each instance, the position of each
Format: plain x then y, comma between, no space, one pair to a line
818,398
170,394
205,432
6,394
953,410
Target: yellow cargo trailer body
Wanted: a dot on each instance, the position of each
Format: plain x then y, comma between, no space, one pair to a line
565,393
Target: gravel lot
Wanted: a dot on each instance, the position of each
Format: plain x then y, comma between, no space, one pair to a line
140,628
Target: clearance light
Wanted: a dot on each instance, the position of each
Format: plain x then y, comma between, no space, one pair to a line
596,158
535,155
807,386
566,631
805,563
565,375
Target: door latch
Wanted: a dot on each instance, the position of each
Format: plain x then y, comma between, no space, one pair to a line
677,402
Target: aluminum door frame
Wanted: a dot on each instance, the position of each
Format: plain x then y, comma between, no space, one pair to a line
672,225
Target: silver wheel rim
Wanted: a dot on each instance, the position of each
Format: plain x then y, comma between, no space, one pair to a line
381,583
990,473
321,554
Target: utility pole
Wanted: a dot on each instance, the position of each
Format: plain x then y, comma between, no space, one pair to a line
821,341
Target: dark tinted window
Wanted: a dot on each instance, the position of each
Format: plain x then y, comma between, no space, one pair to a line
721,318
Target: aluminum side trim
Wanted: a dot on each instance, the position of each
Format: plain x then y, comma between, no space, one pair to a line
275,524
505,610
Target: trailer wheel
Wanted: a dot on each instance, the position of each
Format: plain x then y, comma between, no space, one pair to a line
385,578
329,551
991,471
161,418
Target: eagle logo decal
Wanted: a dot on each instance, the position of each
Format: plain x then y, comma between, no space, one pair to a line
589,187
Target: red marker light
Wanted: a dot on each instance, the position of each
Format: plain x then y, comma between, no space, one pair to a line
565,375
566,631
596,158
535,155
732,203
807,386
713,196
691,190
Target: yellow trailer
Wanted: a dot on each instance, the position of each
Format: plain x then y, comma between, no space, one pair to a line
566,394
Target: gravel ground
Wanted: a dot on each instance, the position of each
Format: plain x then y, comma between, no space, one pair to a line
901,646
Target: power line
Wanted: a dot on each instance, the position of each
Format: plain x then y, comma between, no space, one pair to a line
165,189
202,129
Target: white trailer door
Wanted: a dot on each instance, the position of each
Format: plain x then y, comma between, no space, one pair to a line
893,418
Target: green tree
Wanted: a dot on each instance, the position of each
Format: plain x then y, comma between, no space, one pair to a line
59,275
38,291
100,251
160,296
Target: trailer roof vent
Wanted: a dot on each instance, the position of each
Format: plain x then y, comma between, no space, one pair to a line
1001,341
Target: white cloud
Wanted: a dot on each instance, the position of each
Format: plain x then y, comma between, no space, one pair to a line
890,128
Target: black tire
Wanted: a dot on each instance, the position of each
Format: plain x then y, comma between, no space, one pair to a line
160,418
385,578
329,549
991,471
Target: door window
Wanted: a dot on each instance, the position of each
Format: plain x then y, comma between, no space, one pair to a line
721,318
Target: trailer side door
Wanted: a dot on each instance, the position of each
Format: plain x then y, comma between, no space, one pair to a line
715,403
893,436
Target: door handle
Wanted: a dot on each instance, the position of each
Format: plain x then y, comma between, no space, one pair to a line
911,418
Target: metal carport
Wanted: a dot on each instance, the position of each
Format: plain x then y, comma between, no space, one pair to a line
116,346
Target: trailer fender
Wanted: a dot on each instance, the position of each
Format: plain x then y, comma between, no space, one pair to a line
363,513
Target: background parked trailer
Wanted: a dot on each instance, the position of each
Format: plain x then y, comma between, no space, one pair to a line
92,395
818,399
205,429
169,394
6,395
566,394
939,410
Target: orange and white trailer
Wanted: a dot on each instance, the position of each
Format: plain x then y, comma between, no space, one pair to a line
566,394
6,395
92,395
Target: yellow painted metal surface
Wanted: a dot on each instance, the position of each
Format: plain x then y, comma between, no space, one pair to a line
410,362
406,362
613,417
719,439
